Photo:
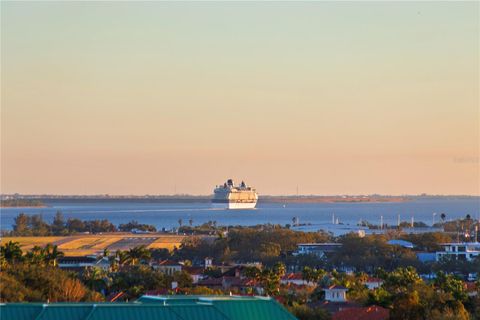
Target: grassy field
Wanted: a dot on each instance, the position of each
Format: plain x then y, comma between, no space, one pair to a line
167,242
80,245
28,243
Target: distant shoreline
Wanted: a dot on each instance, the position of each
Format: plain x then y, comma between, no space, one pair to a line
23,207
40,201
207,199
22,203
320,199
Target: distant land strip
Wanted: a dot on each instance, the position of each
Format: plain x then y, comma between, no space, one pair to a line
18,200
22,203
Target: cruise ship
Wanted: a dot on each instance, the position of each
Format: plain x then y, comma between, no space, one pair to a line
229,196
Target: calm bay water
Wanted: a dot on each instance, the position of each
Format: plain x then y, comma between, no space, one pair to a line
166,215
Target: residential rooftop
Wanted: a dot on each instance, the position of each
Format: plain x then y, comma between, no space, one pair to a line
153,307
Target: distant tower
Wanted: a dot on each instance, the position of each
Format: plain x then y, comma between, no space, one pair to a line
398,220
208,262
411,224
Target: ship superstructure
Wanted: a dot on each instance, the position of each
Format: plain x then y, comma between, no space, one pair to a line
229,196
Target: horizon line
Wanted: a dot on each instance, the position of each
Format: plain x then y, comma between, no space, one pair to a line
107,195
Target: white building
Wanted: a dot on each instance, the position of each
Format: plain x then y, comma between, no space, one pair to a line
318,249
196,273
460,250
168,267
336,293
338,229
296,279
373,283
82,262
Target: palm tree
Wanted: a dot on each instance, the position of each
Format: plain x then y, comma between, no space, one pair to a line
52,254
11,251
190,222
96,278
36,255
122,257
443,216
106,253
180,222
137,254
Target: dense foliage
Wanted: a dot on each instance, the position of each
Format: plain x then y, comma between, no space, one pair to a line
269,244
34,225
35,277
409,297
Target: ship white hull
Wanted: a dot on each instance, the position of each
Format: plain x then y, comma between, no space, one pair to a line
235,205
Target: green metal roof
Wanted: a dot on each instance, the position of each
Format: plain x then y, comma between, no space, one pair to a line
63,312
198,312
132,312
153,308
253,310
170,300
26,312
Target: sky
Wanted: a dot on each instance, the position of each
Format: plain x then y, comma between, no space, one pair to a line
176,97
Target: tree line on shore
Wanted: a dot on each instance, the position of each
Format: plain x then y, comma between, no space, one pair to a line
11,203
35,225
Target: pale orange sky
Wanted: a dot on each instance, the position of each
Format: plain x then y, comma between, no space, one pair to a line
153,97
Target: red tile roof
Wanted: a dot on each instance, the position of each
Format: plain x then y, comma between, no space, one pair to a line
169,263
293,276
365,313
333,307
470,286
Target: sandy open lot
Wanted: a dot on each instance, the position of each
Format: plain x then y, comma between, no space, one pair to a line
95,244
